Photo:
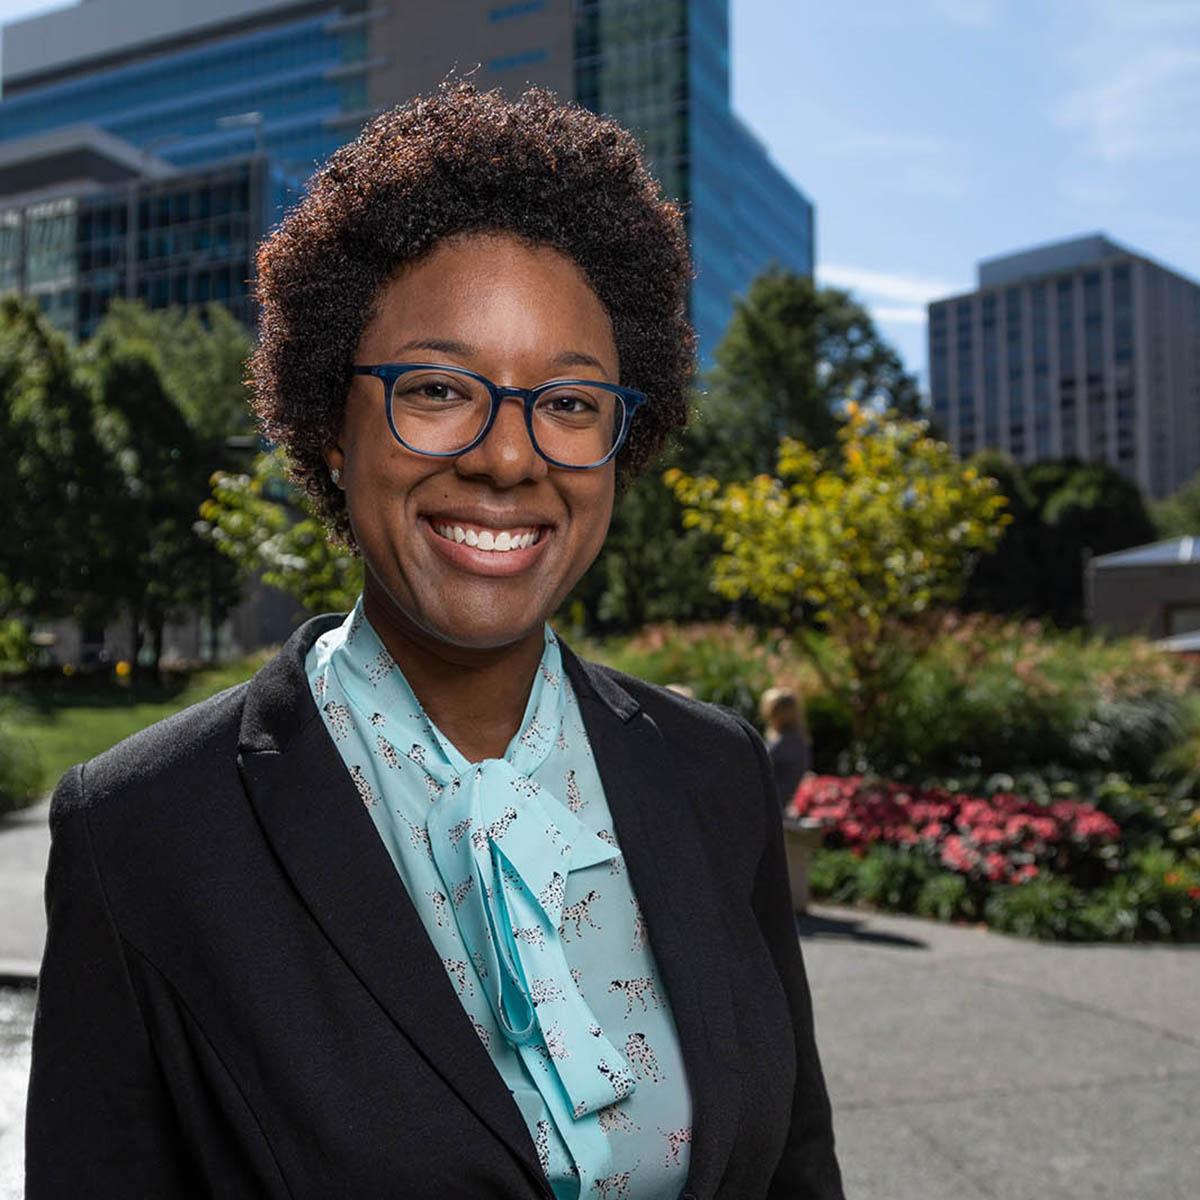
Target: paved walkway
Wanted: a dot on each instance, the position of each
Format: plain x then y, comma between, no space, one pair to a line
24,847
963,1065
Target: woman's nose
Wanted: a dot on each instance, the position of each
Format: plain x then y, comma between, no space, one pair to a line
506,455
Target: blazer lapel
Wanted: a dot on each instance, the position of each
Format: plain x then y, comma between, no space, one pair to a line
669,869
328,845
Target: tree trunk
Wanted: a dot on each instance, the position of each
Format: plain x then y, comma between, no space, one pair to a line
157,626
135,638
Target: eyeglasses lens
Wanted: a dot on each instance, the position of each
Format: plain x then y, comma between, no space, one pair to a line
442,411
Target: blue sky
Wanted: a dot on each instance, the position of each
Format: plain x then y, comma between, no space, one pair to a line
933,133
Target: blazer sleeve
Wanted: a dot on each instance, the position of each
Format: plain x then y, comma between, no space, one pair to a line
808,1169
99,1121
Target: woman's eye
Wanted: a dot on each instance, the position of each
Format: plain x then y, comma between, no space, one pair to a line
568,402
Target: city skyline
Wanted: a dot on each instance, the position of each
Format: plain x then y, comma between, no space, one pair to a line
982,128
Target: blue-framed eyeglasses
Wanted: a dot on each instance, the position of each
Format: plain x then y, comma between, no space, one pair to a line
445,411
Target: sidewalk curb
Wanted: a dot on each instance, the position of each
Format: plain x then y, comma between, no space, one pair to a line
16,972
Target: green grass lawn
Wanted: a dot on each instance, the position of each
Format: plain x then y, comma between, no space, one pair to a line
72,721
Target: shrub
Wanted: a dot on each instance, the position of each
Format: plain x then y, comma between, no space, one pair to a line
1044,907
990,695
1004,838
722,663
21,775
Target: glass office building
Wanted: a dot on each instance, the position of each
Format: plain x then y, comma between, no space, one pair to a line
1080,349
661,67
199,85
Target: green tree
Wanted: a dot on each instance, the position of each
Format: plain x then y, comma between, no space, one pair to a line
1179,514
261,524
870,539
792,357
1062,512
58,484
200,357
164,566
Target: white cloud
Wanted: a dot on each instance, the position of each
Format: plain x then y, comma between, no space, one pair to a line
911,164
1139,109
907,292
899,314
972,14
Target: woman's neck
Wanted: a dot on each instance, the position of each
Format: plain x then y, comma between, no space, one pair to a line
476,697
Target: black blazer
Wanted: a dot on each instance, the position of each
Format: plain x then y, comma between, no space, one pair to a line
238,998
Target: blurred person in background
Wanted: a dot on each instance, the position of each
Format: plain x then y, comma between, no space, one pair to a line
788,742
430,907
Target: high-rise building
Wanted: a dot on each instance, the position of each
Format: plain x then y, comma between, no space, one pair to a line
1082,349
196,85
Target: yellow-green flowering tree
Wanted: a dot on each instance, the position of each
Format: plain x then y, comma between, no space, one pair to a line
253,520
871,538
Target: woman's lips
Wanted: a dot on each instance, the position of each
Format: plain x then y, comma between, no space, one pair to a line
477,561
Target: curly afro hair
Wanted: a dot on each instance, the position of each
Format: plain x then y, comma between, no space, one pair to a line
462,161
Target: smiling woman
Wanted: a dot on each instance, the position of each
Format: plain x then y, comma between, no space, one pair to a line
431,907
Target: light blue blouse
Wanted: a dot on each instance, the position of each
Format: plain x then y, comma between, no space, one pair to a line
517,875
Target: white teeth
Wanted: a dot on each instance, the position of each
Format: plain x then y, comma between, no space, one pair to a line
485,539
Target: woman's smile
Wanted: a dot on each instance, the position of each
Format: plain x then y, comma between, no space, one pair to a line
487,550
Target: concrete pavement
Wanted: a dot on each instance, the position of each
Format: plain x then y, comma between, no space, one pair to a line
962,1064
24,847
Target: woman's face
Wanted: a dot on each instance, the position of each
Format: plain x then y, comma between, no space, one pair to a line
520,316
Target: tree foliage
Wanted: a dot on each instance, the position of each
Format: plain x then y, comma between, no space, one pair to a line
1062,511
794,355
1179,514
259,522
112,445
871,538
200,357
57,486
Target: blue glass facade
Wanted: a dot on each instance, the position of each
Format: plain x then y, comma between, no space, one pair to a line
307,77
661,67
315,71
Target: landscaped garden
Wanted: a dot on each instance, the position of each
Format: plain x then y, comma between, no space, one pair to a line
1045,783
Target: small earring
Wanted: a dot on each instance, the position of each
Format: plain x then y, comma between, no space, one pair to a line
336,475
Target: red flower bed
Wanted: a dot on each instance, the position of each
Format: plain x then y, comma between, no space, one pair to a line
1005,838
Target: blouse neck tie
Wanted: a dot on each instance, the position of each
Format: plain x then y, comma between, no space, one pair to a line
503,846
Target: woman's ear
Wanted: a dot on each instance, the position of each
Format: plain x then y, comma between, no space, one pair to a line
335,460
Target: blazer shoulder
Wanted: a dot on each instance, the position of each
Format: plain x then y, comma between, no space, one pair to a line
175,756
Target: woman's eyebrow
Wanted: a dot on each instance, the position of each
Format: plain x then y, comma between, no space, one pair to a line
560,361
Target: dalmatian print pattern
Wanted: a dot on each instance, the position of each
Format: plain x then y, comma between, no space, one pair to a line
676,1140
338,719
618,864
614,1119
495,831
643,1059
363,784
438,899
575,800
387,752
379,667
626,1041
639,926
613,1187
637,989
578,913
457,970
545,991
